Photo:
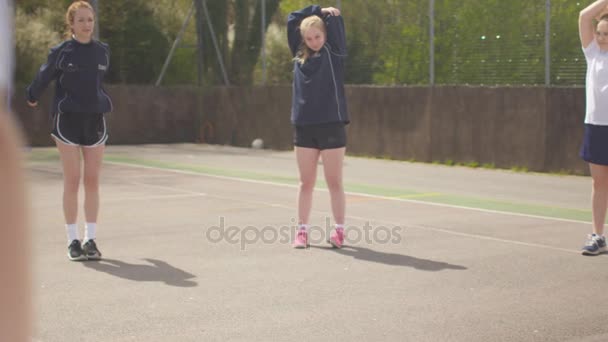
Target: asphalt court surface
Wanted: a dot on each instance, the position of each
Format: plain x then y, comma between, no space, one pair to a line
196,245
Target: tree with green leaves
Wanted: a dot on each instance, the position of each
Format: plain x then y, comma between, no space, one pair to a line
476,41
138,45
240,19
136,42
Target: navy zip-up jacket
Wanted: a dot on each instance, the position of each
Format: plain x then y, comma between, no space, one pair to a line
318,84
78,70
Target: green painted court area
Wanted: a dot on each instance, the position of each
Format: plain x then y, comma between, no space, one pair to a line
398,192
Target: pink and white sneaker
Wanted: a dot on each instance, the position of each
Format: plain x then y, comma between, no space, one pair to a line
337,238
301,240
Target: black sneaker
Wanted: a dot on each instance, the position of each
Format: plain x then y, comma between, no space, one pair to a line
595,245
90,250
75,252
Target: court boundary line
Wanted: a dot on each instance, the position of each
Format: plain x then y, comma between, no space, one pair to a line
406,200
522,209
364,219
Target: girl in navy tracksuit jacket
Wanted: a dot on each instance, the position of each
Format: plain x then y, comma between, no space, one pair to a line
78,66
317,41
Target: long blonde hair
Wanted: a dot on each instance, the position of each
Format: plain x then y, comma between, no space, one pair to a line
304,52
71,12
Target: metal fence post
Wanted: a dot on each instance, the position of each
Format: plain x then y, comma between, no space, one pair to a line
198,4
95,5
263,31
548,43
432,42
214,40
175,44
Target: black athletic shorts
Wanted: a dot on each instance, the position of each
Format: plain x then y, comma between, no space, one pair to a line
595,141
80,129
322,136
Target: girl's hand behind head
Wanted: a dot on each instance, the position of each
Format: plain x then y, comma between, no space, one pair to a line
331,11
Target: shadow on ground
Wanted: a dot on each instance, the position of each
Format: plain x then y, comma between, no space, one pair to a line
393,259
157,270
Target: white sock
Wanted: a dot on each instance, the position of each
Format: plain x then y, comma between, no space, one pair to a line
339,225
72,230
303,226
89,231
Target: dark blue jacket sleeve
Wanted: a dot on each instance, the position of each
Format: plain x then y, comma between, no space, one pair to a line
336,36
294,19
47,73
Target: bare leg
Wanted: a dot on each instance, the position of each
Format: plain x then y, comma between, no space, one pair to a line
93,158
599,196
333,161
307,164
70,160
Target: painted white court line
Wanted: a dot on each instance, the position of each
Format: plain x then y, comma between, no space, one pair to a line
387,198
201,194
146,198
365,219
106,200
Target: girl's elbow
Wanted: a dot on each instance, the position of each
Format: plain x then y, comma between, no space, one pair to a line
584,20
585,15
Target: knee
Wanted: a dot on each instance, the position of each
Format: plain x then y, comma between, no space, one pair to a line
600,184
307,185
334,184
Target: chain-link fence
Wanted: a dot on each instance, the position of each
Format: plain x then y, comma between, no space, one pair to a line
483,42
390,42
